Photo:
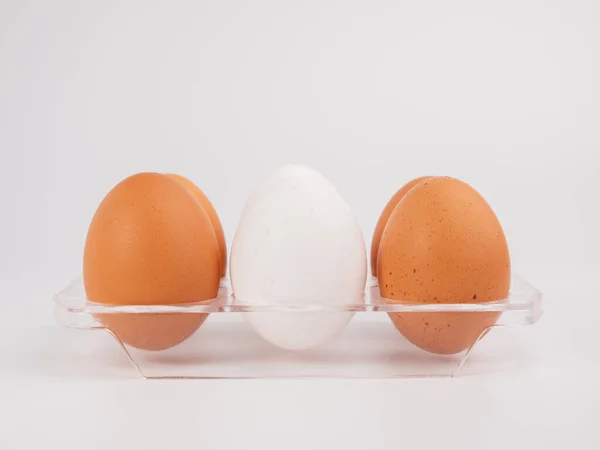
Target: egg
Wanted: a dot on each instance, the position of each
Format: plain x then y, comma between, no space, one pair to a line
298,245
212,215
443,244
383,219
150,242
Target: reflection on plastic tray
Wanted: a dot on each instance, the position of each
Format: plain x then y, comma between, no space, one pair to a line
225,346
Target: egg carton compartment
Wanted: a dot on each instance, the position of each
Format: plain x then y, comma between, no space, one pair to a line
226,346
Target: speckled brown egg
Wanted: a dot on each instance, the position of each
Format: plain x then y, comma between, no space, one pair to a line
151,243
443,244
385,215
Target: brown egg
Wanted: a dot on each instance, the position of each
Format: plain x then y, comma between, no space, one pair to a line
443,244
151,243
383,219
212,215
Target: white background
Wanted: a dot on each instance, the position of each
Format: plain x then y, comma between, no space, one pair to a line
503,95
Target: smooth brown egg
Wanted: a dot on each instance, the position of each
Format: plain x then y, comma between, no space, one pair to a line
151,243
383,219
212,215
443,244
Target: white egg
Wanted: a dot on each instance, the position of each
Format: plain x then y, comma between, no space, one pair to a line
298,245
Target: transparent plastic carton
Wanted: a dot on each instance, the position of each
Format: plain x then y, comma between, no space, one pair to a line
226,346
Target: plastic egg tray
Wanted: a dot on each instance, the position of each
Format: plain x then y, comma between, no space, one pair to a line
225,346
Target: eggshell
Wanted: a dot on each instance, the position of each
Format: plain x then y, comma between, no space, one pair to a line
270,183
150,331
151,243
385,215
212,215
443,244
298,244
